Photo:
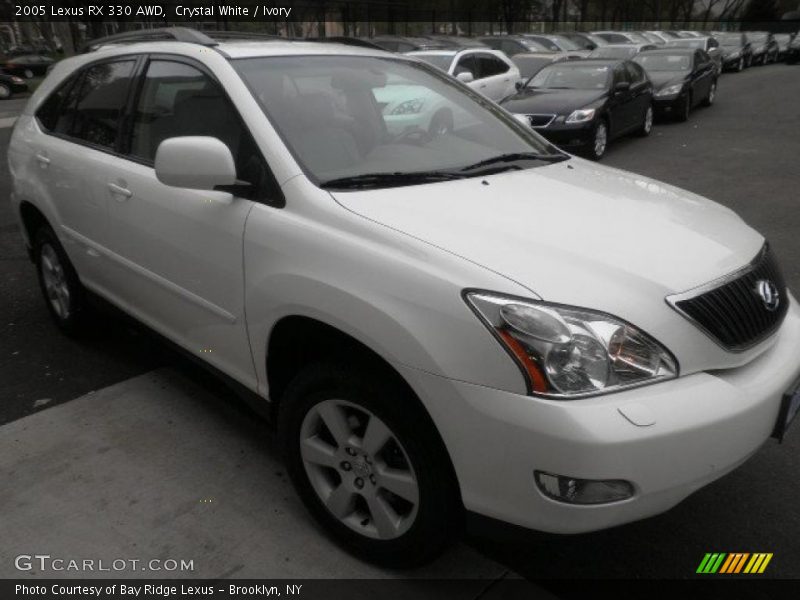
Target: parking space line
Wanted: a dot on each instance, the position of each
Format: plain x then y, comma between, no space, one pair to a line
172,466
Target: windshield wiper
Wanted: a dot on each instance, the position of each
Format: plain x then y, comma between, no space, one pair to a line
514,157
398,178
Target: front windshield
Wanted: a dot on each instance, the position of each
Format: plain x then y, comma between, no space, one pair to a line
573,76
440,61
612,52
664,62
695,43
547,43
352,116
730,42
565,43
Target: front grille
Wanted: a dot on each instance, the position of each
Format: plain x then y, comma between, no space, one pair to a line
540,121
734,310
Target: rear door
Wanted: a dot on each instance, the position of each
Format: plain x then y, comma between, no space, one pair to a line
495,76
82,123
180,250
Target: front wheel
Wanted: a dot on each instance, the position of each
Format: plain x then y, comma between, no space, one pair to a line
599,144
712,94
5,91
647,122
684,109
369,464
441,123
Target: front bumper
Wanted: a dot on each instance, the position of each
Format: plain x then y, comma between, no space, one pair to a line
706,424
569,137
668,105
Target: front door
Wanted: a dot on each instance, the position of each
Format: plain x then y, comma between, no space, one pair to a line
180,250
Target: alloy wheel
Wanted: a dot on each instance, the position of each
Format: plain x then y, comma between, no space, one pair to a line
648,120
712,93
5,91
600,140
55,282
359,469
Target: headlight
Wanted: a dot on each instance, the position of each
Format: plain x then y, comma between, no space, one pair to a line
569,352
17,80
670,90
409,107
581,116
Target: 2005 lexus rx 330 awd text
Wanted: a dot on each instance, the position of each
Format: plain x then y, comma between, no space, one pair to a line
441,310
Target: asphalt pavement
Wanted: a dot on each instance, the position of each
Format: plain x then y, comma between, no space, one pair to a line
742,152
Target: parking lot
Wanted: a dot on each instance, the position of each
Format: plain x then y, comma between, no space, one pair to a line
742,152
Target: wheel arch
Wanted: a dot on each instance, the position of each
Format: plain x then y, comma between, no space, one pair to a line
297,341
32,219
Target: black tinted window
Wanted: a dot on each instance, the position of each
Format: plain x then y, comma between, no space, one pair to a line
50,113
178,100
94,108
489,65
467,63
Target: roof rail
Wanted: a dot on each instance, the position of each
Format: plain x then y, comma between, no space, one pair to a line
176,34
221,34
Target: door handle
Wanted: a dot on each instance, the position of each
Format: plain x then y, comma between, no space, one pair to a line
43,160
119,190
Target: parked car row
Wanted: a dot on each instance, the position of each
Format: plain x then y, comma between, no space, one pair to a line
583,90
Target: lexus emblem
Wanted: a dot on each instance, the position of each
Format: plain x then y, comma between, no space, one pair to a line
768,292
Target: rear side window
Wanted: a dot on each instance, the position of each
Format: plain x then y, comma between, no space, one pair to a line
491,65
50,114
93,107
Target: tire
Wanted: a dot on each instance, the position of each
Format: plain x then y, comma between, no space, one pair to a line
63,293
327,413
441,123
685,110
597,148
712,94
647,123
5,91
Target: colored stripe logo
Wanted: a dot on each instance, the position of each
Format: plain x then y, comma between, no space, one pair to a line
734,563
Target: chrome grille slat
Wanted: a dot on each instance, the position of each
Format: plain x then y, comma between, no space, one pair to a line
730,310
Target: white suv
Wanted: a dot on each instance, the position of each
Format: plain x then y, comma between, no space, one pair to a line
436,319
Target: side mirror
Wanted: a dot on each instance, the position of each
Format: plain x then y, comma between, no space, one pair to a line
519,85
591,46
465,77
195,162
622,86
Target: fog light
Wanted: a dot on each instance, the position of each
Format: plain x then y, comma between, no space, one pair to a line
582,491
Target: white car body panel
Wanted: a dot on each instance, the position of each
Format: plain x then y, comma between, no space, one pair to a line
388,267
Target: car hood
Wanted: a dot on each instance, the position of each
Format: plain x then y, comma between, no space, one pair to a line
663,79
550,101
571,231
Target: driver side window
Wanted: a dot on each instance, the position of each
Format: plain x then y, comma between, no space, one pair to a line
179,100
467,63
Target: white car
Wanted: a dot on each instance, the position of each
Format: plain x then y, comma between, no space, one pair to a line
487,71
436,322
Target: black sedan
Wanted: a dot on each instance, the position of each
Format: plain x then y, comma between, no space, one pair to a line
581,105
737,53
27,66
11,84
683,78
793,51
765,48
